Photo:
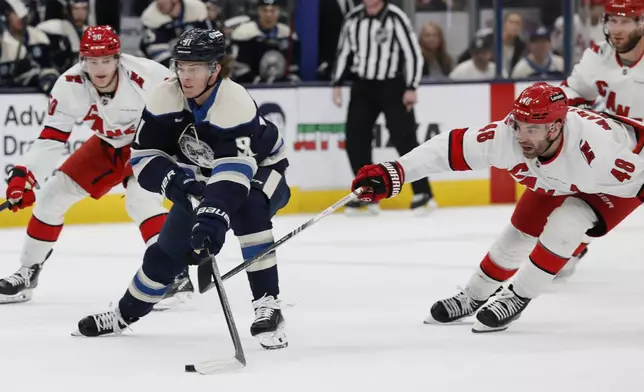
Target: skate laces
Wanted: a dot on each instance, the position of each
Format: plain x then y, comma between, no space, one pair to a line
265,307
459,304
110,320
22,276
506,304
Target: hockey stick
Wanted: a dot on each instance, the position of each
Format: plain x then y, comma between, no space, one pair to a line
346,199
5,205
210,367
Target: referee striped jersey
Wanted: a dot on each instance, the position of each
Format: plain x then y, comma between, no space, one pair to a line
378,47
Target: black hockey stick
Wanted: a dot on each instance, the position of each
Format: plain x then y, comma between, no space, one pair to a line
5,205
209,266
350,197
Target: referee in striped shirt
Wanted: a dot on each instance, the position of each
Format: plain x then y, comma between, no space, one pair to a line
378,46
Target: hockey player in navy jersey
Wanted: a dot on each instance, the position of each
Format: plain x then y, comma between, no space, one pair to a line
201,135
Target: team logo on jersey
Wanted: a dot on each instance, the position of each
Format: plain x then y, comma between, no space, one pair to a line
195,150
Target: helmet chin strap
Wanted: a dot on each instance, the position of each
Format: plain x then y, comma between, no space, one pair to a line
550,142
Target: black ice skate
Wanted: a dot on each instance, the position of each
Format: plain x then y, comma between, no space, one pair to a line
361,208
19,286
422,204
453,309
268,326
498,315
110,322
180,291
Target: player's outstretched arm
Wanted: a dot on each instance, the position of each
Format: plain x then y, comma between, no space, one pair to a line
458,150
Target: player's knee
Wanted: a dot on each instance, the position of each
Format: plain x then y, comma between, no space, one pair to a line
255,243
141,204
567,226
512,248
161,267
59,193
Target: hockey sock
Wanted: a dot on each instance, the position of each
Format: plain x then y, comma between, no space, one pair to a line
535,276
41,238
151,227
262,275
487,279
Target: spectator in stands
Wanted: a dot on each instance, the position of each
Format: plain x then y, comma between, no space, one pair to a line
65,29
587,28
26,54
513,46
480,66
214,14
438,63
164,21
540,63
266,51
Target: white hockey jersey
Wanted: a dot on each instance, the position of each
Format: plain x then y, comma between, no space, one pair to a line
75,100
600,73
598,155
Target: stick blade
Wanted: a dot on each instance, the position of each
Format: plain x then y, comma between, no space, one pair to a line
217,366
205,275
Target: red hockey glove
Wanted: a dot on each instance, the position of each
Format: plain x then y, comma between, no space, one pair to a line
20,188
383,180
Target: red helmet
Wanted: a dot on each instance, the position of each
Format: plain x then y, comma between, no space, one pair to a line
541,103
98,41
632,8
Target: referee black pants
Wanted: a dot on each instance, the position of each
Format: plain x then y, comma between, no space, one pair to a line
369,98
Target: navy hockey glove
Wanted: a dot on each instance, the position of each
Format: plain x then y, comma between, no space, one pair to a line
210,230
383,180
178,185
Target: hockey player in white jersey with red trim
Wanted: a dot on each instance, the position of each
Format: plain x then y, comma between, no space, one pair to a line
583,175
106,91
611,71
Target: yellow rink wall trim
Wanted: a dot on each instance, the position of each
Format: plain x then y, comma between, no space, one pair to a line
111,208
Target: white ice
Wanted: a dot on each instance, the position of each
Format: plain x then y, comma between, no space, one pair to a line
358,290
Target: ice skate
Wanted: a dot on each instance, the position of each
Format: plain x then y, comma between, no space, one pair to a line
268,326
19,286
498,315
361,208
110,322
423,204
453,309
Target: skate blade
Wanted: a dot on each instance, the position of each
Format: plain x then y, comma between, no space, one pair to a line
362,211
172,302
23,296
273,340
479,327
432,321
425,210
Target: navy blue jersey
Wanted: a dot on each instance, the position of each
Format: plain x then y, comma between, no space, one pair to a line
223,142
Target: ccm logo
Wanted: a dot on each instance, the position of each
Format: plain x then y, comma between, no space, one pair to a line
166,180
214,211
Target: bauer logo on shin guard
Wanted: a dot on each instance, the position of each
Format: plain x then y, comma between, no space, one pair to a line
396,182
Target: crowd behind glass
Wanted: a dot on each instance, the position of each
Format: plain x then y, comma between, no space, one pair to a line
40,38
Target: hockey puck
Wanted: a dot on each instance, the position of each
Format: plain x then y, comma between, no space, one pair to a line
190,368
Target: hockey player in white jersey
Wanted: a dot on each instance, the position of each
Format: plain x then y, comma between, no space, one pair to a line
583,175
106,91
611,71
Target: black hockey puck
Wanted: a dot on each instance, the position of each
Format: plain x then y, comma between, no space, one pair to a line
190,368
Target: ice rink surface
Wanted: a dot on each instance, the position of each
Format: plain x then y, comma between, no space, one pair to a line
357,290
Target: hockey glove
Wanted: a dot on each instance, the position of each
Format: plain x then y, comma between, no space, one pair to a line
210,230
178,185
383,180
20,188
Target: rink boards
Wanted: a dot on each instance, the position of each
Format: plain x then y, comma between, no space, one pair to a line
313,128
